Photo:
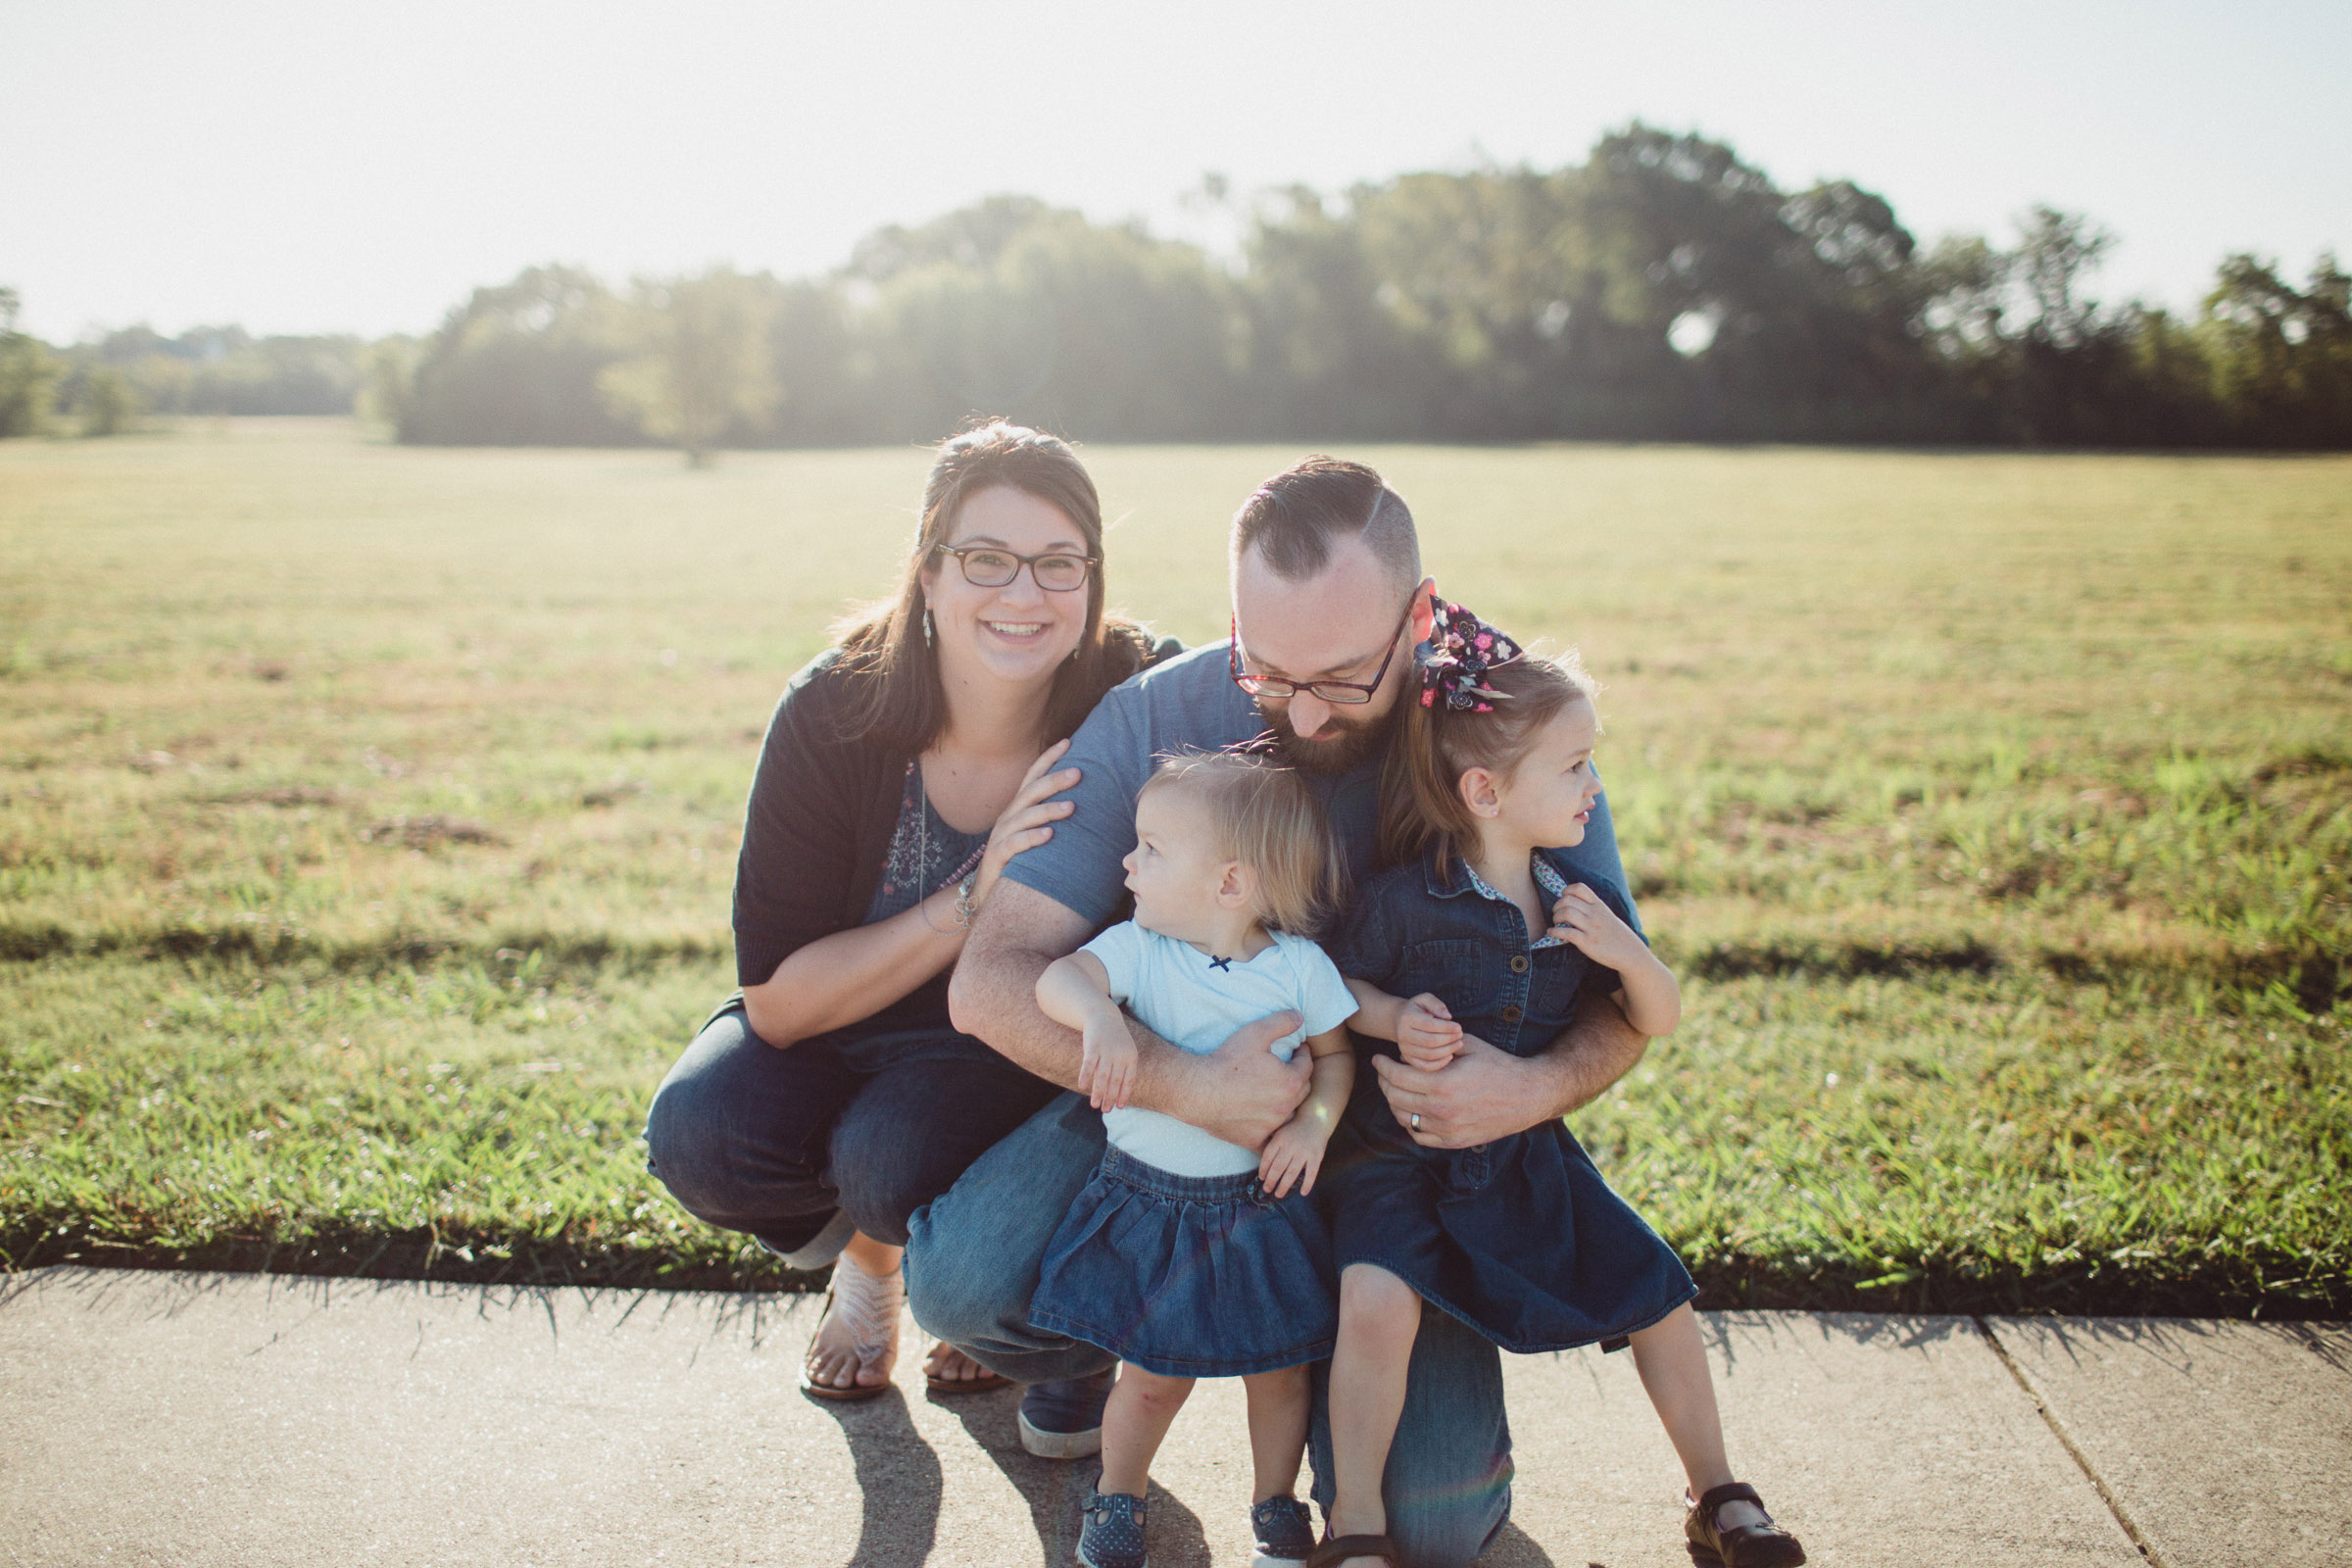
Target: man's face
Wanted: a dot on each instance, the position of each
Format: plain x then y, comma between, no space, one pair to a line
1336,625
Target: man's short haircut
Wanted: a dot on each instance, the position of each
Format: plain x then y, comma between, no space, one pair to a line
1294,519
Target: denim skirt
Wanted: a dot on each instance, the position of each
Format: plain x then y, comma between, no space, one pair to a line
1190,1276
1522,1239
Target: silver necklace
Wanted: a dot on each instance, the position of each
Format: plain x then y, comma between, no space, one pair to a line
922,855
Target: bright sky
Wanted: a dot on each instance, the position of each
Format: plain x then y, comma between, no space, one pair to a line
307,167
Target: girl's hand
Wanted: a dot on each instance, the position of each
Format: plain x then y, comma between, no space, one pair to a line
1028,821
1292,1155
1107,1060
1593,927
1427,1036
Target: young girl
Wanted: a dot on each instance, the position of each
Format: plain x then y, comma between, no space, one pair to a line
1184,1255
1474,930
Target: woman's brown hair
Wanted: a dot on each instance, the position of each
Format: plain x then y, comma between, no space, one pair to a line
899,703
1422,812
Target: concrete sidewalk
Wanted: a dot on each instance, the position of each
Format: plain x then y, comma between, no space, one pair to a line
239,1419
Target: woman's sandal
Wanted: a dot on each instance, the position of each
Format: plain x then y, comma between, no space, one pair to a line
1752,1545
869,1308
1336,1549
982,1384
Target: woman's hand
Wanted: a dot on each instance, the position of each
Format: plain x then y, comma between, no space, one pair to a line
1028,821
1593,927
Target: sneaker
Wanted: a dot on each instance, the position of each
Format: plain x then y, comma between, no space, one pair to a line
1114,1536
1063,1419
1284,1531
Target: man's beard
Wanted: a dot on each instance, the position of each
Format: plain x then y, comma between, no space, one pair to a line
1339,746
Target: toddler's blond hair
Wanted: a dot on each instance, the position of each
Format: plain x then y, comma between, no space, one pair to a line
1264,816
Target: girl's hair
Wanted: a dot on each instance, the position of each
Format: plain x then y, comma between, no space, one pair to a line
1421,805
1264,816
897,701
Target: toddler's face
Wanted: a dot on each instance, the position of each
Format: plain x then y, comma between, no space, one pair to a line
1549,794
1174,869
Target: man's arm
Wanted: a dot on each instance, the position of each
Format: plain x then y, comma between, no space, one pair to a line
1485,1093
1241,1092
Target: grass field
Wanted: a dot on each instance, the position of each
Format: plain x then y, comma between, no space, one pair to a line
368,814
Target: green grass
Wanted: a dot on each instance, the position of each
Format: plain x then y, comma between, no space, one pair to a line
366,818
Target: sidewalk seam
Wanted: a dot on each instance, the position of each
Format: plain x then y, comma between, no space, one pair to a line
2115,1504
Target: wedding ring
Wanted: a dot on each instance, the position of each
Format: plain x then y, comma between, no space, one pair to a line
1416,1124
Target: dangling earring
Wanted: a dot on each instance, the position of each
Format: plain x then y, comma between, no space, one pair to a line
930,638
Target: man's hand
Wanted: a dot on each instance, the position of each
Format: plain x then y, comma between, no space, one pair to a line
1242,1092
1482,1094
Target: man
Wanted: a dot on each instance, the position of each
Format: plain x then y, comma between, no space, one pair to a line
1328,602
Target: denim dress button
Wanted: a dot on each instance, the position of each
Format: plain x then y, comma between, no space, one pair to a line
1510,1014
1518,963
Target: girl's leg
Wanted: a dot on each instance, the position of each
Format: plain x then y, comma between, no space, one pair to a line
1378,1316
1673,1363
1278,1408
1134,1421
858,1342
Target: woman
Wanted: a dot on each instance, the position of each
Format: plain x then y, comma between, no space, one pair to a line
904,766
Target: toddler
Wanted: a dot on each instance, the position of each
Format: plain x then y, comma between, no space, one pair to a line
1184,1255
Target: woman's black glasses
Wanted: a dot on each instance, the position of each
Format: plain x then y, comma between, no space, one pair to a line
1330,690
992,566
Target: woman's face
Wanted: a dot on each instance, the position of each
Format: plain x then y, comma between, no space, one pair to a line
1018,632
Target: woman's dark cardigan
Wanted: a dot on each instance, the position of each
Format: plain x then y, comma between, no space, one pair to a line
818,830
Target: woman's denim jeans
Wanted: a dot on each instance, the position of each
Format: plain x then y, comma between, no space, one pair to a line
778,1143
972,1259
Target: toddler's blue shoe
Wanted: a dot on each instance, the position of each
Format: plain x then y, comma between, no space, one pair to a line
1114,1536
1284,1531
1063,1419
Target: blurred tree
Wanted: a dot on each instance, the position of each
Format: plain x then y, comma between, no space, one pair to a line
108,405
701,367
518,366
28,374
385,396
2283,356
1059,322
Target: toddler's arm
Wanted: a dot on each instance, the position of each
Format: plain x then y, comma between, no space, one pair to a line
1653,1002
1423,1028
1295,1153
1076,992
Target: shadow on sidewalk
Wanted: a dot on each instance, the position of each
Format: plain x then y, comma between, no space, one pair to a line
899,1481
1057,1489
1514,1547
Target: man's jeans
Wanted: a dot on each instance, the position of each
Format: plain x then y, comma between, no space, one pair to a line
751,1138
972,1259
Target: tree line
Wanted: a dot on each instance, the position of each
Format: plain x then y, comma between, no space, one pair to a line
99,387
1661,289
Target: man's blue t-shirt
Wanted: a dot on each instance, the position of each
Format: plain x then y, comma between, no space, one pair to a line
1190,702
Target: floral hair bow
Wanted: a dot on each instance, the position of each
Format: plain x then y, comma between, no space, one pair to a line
1454,660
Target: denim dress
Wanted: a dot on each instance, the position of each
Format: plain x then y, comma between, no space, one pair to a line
1521,1238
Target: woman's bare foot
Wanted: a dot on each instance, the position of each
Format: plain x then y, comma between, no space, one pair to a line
858,1342
947,1365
